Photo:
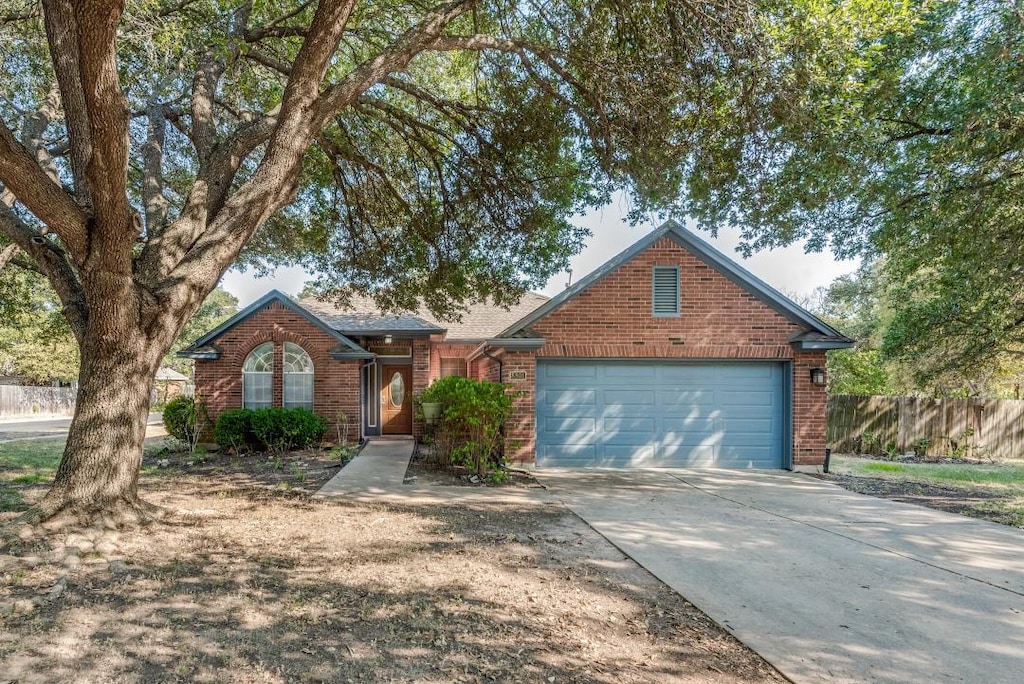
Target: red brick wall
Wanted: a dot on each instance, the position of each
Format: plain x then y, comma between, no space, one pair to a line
718,320
520,434
335,383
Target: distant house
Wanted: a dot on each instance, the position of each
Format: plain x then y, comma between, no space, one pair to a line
670,354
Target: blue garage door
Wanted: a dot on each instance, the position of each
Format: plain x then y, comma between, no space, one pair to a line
660,414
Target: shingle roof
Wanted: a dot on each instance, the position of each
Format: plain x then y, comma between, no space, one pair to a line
479,321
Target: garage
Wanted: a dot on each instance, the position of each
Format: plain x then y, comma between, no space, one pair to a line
672,414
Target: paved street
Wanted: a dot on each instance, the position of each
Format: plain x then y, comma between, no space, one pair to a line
19,428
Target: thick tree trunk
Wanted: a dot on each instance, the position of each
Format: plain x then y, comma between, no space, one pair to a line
100,469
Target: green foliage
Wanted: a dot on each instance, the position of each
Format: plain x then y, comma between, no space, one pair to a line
270,429
185,419
218,306
233,430
899,138
858,371
473,415
35,341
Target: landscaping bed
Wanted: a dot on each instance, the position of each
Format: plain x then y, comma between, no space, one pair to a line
250,580
980,489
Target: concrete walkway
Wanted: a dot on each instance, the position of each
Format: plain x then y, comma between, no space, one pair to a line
377,475
826,584
378,468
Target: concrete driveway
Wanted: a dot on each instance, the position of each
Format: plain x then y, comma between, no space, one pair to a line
827,585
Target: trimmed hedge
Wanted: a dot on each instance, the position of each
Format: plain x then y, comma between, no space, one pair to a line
233,430
269,429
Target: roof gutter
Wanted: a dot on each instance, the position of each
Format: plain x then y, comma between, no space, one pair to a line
508,344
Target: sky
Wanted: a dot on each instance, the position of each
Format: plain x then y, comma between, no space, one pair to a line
789,270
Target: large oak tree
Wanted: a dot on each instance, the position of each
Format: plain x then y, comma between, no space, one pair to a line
409,148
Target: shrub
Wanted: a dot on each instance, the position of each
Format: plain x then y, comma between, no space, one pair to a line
473,414
185,418
234,430
269,429
282,429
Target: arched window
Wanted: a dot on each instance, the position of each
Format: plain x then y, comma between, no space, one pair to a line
258,377
298,377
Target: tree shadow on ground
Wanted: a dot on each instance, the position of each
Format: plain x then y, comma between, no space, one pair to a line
293,591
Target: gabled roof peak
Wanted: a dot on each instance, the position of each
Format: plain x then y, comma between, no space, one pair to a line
706,253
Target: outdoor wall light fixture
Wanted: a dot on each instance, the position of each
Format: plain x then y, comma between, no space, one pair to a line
818,377
387,339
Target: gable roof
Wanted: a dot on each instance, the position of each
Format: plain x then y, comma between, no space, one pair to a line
203,348
479,320
824,337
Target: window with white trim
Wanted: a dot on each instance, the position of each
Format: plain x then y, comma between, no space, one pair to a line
665,289
298,377
258,377
453,367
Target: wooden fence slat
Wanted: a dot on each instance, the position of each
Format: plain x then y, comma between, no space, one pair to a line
997,424
25,400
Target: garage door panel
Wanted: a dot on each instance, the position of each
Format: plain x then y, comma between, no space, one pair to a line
623,397
697,424
660,413
744,398
572,371
570,397
681,399
686,374
644,426
741,426
558,425
627,372
695,455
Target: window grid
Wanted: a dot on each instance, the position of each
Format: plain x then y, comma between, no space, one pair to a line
453,366
298,377
258,377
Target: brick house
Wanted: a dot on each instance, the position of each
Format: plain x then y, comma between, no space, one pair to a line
670,354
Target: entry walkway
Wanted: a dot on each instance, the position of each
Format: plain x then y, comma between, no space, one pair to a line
378,468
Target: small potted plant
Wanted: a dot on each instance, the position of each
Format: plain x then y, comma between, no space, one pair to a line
430,406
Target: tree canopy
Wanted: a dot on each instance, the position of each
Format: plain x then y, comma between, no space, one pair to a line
908,145
409,149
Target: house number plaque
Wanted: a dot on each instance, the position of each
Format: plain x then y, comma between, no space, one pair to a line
517,375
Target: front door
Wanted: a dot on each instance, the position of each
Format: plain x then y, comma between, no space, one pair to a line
396,399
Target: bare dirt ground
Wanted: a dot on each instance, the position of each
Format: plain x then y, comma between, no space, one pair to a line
972,502
258,583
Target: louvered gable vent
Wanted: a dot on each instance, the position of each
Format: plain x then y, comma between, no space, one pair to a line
666,291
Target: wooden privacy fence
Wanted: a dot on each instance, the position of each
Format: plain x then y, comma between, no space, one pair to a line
25,400
975,427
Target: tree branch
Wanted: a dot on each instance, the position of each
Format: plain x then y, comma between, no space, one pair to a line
53,261
7,254
62,37
153,177
22,176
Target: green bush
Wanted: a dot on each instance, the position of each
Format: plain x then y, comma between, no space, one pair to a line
269,429
184,419
282,429
473,413
234,430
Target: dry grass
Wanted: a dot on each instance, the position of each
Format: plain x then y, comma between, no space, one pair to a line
260,584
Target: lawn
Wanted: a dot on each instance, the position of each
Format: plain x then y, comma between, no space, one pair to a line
993,491
26,463
252,580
